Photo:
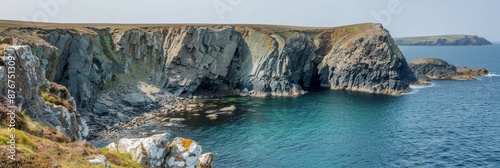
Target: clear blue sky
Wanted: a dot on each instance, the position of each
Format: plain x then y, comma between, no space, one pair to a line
401,17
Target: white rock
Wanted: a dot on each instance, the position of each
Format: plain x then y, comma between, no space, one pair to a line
146,151
183,153
230,108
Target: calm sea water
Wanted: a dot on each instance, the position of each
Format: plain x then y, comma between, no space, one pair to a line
450,124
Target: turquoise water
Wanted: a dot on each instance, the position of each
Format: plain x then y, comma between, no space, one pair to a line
450,124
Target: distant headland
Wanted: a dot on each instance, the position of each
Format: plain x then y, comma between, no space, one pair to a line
443,40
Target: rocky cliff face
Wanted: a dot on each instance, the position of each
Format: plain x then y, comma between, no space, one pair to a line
254,60
190,60
35,95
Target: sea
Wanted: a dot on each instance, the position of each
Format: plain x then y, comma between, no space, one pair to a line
450,123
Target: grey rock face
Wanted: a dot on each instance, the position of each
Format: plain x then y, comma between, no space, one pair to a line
30,80
374,65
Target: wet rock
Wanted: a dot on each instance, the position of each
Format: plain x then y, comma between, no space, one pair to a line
212,116
227,109
177,119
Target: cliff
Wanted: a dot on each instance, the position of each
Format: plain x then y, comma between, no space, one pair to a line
435,68
445,40
84,78
183,59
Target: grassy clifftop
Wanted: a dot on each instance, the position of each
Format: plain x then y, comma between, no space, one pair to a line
443,40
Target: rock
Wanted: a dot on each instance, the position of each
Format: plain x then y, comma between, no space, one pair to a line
100,160
106,102
205,160
245,93
100,109
183,153
192,105
146,151
435,68
177,119
210,111
212,116
65,118
135,99
230,108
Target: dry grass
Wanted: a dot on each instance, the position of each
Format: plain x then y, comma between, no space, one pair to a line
57,95
33,151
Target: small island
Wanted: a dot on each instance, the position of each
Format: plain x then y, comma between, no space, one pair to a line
444,40
426,69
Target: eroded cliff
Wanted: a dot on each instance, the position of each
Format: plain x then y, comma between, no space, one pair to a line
265,60
193,60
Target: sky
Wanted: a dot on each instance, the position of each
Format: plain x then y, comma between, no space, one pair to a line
401,17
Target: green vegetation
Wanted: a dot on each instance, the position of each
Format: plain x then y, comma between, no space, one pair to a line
108,84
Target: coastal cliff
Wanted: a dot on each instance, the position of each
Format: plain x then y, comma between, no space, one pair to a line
81,79
263,60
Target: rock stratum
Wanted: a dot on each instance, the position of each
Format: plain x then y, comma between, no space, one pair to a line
444,40
435,68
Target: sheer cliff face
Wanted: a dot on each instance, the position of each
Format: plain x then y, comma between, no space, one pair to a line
32,89
254,60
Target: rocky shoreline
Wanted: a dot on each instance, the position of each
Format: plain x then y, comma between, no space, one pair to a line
426,69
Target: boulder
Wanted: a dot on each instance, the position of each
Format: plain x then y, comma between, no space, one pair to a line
183,153
135,99
100,109
100,160
149,151
205,160
156,151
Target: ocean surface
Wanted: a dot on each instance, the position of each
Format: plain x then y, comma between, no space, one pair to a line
448,124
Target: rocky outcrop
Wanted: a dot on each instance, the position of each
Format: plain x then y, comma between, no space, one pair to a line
156,151
36,96
445,40
434,68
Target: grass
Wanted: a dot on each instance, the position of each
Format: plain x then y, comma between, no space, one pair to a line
34,151
108,84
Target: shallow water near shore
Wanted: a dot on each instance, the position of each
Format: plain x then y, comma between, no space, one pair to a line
451,123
